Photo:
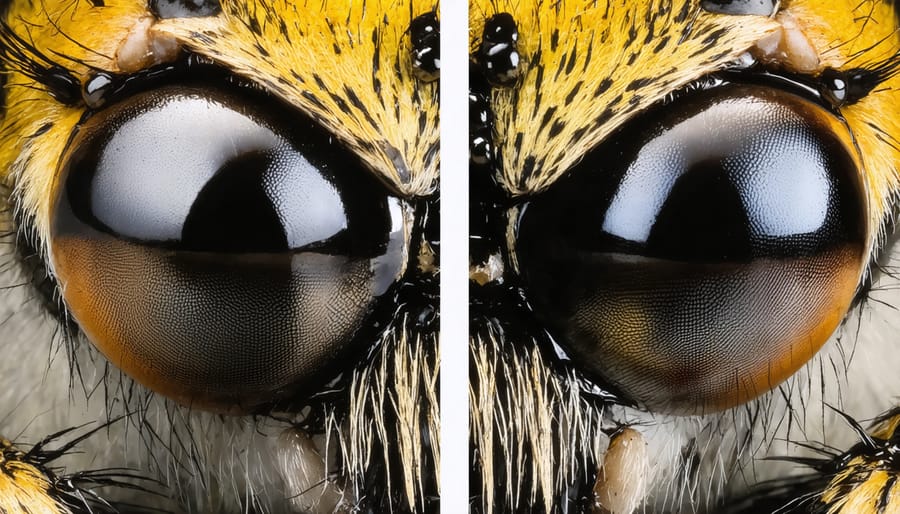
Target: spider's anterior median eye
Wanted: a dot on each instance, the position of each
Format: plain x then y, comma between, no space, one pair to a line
701,256
222,254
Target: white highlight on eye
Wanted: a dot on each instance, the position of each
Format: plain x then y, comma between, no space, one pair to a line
164,154
654,163
308,208
401,221
149,145
771,193
778,214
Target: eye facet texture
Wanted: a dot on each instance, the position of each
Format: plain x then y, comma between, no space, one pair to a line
221,253
705,253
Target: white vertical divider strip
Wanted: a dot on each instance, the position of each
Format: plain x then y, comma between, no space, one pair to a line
454,257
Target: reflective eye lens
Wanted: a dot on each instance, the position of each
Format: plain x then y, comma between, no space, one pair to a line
701,256
220,253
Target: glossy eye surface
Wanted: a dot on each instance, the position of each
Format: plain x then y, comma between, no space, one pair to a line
220,251
701,256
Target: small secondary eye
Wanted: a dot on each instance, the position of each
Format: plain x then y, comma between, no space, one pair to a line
701,256
220,251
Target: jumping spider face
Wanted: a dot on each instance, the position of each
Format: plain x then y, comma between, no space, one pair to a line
681,246
230,209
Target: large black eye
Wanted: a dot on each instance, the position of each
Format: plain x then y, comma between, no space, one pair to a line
702,255
221,252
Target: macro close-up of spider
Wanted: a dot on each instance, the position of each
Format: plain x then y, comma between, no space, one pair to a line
222,285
